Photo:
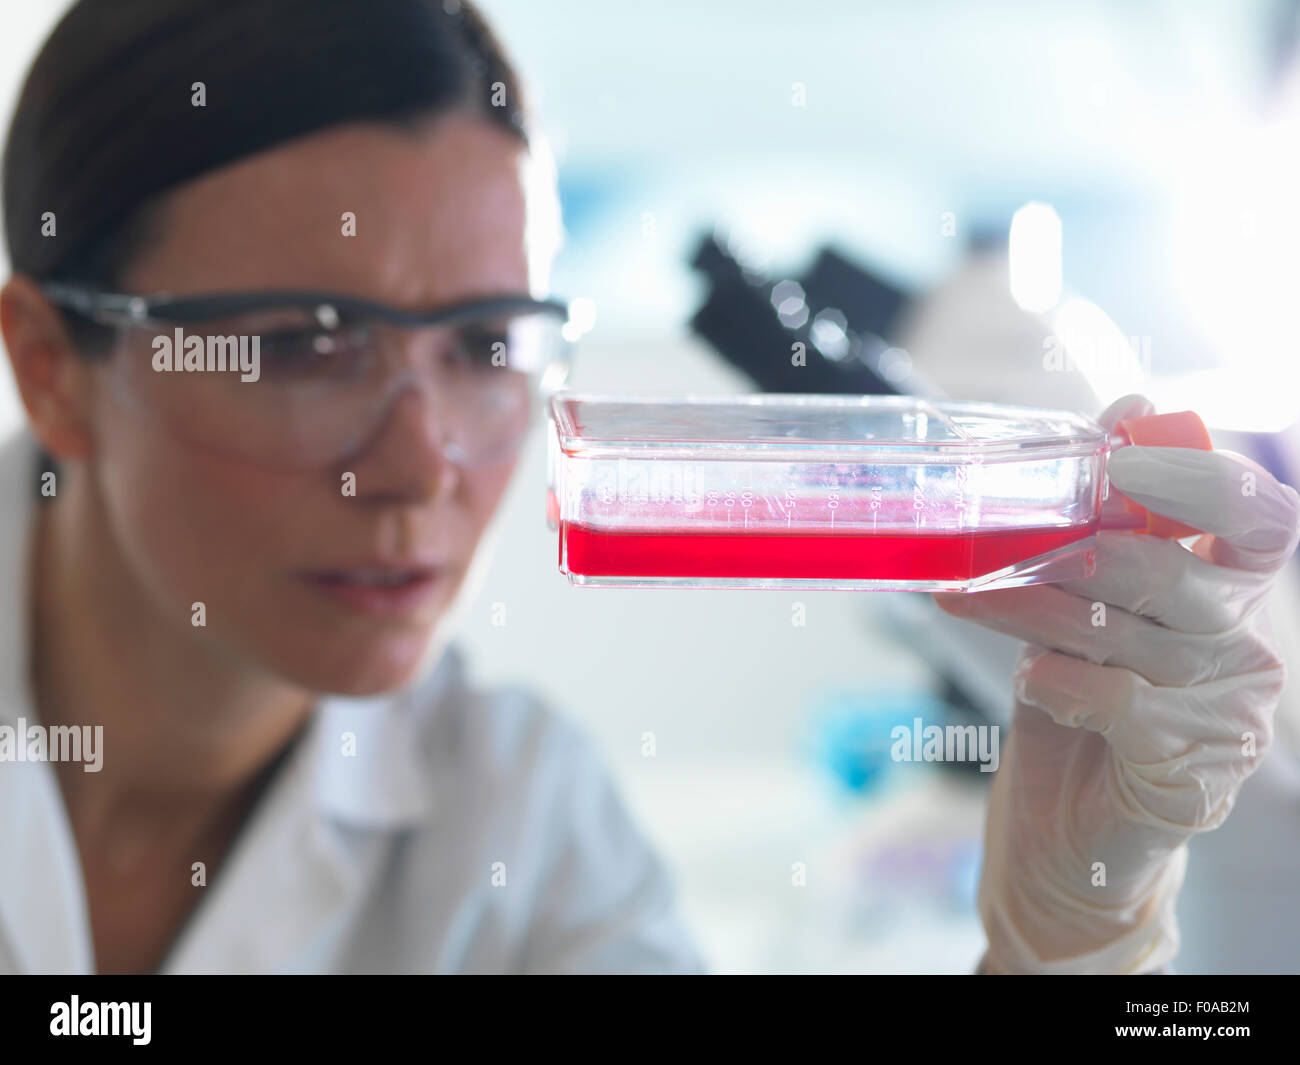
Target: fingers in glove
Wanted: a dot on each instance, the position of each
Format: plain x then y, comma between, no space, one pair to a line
1254,518
1162,580
1108,635
1163,732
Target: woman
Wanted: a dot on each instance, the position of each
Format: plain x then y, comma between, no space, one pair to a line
273,326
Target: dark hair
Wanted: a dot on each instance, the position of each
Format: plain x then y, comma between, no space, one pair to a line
107,123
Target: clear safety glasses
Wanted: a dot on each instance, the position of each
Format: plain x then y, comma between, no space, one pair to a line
304,380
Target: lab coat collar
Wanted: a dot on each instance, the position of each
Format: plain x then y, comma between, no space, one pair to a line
370,755
320,835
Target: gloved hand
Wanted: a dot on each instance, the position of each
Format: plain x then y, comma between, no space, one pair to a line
1132,735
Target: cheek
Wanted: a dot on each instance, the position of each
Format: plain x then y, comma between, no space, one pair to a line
199,528
479,496
194,527
483,491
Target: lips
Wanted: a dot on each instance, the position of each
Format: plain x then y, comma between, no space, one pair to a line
383,589
374,578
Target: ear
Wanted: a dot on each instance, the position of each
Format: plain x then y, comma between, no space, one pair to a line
53,380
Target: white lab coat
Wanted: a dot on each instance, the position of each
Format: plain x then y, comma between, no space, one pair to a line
472,831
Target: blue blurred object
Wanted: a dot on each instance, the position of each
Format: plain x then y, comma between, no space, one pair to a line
964,873
850,733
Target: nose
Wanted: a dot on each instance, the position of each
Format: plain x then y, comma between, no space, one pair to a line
406,458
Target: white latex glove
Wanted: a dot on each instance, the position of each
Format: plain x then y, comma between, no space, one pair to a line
1130,737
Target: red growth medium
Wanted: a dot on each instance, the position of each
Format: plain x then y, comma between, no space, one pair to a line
843,556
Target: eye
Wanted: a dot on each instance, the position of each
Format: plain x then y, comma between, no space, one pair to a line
485,345
475,345
315,352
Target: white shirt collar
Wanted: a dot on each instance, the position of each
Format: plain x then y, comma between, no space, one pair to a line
370,764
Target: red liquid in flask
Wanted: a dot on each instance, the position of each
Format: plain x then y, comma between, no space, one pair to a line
845,556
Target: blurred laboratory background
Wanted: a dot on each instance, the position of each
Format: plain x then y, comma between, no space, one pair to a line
1045,203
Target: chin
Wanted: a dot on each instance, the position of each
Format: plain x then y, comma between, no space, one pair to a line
361,668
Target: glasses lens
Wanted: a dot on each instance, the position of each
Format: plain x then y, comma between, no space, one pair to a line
301,389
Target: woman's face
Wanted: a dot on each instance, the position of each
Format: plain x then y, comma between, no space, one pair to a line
277,558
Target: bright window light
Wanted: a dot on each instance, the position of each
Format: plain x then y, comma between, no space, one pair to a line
1034,248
